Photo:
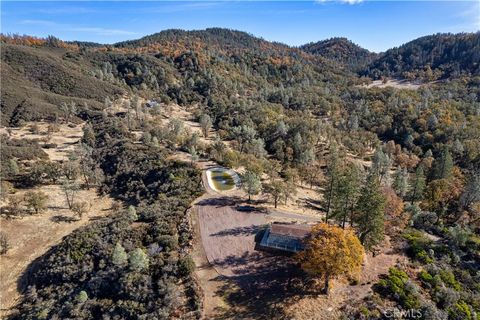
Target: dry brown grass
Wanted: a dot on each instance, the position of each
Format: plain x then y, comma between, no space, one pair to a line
65,138
30,236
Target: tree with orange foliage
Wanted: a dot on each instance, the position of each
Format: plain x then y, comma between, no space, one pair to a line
441,193
331,252
395,217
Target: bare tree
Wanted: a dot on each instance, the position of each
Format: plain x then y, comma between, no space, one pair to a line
80,208
36,201
70,189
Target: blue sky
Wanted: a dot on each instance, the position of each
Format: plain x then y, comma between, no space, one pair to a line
375,25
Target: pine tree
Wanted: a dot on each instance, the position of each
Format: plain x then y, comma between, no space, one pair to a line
138,260
346,194
132,213
400,182
276,189
251,184
444,165
205,124
332,176
381,164
369,215
418,185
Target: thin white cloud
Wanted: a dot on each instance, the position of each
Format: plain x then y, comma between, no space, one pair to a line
103,31
341,1
171,7
93,30
65,10
38,22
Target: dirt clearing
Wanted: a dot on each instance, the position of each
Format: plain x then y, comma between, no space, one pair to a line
228,235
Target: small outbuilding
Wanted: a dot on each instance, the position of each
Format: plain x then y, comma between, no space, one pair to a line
286,237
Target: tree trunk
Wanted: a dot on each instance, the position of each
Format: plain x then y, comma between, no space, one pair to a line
330,194
326,288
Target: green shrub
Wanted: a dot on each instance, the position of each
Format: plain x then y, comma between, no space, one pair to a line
425,276
449,279
418,246
186,266
460,311
82,297
397,285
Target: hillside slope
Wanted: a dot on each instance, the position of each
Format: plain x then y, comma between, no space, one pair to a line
429,58
37,80
341,50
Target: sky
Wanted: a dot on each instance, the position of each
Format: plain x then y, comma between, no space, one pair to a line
375,25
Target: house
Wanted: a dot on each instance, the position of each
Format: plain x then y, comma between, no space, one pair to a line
152,103
286,237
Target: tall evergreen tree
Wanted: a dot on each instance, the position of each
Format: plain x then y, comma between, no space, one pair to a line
369,215
332,176
418,185
443,165
381,164
400,182
346,194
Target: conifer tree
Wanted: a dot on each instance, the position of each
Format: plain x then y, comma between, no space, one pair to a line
418,185
369,215
443,165
251,183
346,194
332,175
400,182
138,260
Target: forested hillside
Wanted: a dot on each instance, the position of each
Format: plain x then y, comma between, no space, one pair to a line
298,116
341,50
429,58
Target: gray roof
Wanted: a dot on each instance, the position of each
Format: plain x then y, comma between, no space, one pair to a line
285,237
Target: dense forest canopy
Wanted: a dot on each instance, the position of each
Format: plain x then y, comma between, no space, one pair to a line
343,51
434,57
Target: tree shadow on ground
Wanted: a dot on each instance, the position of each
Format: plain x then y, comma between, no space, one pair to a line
62,218
261,287
239,231
220,201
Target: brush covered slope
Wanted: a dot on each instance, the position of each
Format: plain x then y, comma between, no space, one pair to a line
37,80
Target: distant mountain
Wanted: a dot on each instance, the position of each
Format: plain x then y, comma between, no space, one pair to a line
174,65
342,51
429,58
208,66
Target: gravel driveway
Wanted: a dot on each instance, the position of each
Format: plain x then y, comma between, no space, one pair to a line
228,235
